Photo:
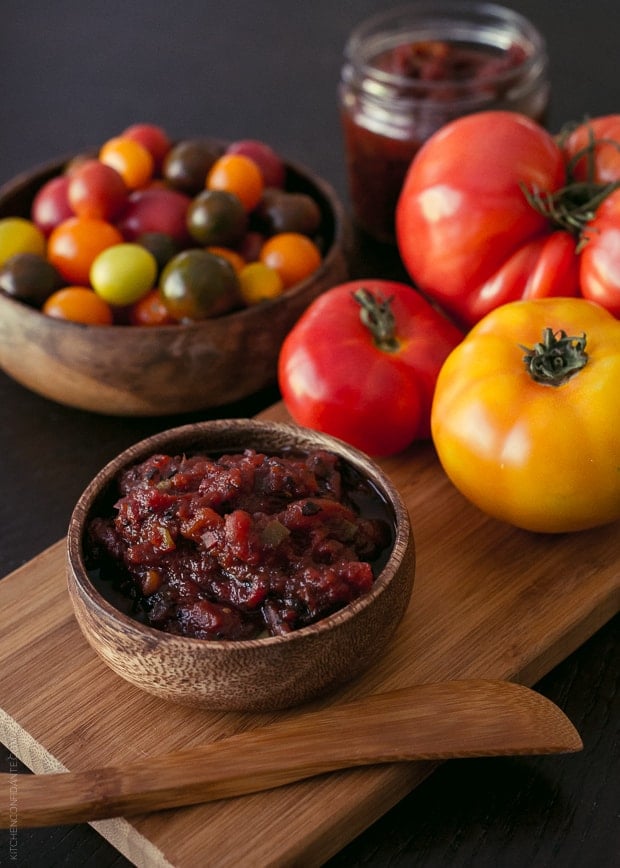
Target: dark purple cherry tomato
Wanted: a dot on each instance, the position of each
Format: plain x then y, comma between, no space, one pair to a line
29,278
187,164
216,217
279,211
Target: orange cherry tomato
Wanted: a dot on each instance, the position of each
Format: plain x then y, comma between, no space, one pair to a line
133,162
75,243
236,259
292,255
150,310
240,175
78,304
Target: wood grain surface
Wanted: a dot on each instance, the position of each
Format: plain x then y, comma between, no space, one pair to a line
489,601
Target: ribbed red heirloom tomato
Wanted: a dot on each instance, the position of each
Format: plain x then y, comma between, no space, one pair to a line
494,209
361,364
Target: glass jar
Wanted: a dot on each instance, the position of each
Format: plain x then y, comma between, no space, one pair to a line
409,71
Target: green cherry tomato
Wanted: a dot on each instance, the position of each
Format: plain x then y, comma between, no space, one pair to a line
216,217
197,285
123,273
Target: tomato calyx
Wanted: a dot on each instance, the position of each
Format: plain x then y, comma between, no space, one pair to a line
574,206
377,315
557,358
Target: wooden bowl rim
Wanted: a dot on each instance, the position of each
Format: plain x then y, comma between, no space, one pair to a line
335,249
299,436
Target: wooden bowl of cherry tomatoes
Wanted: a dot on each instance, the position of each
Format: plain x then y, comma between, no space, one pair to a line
151,278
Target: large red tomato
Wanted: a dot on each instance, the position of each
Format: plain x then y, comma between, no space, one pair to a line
495,209
362,362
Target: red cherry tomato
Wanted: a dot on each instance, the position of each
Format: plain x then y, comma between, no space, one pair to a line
150,310
96,190
371,385
51,204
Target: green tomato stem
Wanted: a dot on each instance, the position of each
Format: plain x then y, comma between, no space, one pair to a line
377,315
557,358
574,206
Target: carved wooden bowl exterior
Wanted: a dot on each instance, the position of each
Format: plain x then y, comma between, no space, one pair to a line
161,370
249,675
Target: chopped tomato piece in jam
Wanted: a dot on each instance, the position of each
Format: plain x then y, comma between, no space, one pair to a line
239,546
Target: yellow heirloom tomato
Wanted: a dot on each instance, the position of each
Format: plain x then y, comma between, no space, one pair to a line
526,415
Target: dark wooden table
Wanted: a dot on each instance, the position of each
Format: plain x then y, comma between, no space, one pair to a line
72,75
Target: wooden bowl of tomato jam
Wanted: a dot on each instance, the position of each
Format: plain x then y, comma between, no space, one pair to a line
161,370
295,648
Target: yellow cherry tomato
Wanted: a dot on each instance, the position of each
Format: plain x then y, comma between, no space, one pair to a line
18,235
526,415
258,283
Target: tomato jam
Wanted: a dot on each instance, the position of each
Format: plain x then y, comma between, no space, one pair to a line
238,546
412,70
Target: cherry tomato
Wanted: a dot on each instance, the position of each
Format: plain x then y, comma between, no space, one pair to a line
268,161
51,204
123,273
236,260
18,235
280,211
187,164
154,138
216,217
251,245
240,175
196,285
79,304
96,190
29,277
75,243
162,246
130,159
150,310
293,255
155,210
361,364
258,283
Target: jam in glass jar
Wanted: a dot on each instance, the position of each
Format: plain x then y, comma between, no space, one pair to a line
409,71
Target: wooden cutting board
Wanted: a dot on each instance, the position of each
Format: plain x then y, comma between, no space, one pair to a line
489,601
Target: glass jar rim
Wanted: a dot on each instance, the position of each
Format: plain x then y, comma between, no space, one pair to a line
441,20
